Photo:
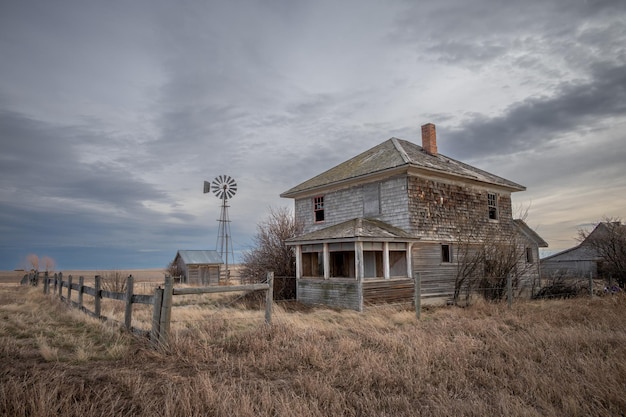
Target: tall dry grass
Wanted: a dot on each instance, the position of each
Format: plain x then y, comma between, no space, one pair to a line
558,358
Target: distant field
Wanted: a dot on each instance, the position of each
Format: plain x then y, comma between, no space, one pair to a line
140,275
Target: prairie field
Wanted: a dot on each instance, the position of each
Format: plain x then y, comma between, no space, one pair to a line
540,358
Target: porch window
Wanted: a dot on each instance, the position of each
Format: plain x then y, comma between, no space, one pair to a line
342,264
397,263
373,264
318,208
492,202
312,261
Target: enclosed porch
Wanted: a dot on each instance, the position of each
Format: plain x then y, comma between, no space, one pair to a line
352,264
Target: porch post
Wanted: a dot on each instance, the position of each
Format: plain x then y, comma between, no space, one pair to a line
409,259
359,270
386,273
298,261
326,261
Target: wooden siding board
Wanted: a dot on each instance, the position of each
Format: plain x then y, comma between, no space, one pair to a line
342,294
388,291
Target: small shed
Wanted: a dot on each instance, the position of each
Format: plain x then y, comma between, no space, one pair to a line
200,267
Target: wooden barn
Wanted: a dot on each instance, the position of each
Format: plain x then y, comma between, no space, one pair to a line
372,222
199,267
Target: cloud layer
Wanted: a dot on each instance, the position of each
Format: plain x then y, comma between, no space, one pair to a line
112,115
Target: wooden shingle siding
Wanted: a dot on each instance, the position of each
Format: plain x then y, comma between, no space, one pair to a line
438,208
348,203
342,294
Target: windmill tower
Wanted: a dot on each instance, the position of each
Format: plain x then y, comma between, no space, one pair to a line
224,188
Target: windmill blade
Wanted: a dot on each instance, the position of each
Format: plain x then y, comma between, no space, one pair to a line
224,187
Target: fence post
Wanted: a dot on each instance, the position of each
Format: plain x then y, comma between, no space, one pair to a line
46,284
166,310
417,294
128,312
69,289
590,284
81,285
156,315
270,298
60,284
55,283
96,297
509,289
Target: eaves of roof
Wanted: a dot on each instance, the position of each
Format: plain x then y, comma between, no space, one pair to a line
200,257
358,229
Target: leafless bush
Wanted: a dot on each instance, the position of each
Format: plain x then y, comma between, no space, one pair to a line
113,281
271,252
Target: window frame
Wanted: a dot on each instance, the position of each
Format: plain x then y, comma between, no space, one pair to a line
492,206
530,255
318,207
446,253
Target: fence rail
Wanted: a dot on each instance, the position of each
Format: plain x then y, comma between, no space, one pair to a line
161,300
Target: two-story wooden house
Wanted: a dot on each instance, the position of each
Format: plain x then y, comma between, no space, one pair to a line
397,209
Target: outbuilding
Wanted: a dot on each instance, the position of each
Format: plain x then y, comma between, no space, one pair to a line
199,267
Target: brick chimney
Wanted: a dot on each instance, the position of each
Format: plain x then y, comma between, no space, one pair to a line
429,138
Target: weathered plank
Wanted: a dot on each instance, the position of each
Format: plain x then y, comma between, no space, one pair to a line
220,288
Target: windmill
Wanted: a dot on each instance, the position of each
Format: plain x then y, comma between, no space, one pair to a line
224,187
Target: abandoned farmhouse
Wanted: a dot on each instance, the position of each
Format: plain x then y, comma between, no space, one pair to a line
374,221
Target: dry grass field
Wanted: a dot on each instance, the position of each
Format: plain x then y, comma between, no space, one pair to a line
544,358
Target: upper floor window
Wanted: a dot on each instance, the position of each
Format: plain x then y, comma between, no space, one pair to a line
529,256
492,202
318,208
371,200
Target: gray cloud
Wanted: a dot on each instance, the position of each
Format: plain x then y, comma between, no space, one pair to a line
112,115
540,121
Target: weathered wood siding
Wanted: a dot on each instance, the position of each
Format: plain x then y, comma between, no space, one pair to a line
335,293
437,277
388,291
349,203
203,275
438,209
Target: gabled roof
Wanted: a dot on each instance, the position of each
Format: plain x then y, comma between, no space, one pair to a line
356,229
200,257
530,233
585,251
395,154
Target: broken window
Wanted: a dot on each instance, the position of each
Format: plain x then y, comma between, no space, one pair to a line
312,261
318,208
397,263
529,255
492,202
446,253
342,264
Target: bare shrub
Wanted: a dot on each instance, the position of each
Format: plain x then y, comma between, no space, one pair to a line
271,253
113,281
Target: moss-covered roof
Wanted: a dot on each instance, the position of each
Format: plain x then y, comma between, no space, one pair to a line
396,153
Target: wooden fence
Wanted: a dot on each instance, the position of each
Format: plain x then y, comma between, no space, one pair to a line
161,300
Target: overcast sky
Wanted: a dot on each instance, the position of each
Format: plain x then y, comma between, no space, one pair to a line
113,113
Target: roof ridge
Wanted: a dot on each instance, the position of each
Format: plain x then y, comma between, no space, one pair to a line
400,149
